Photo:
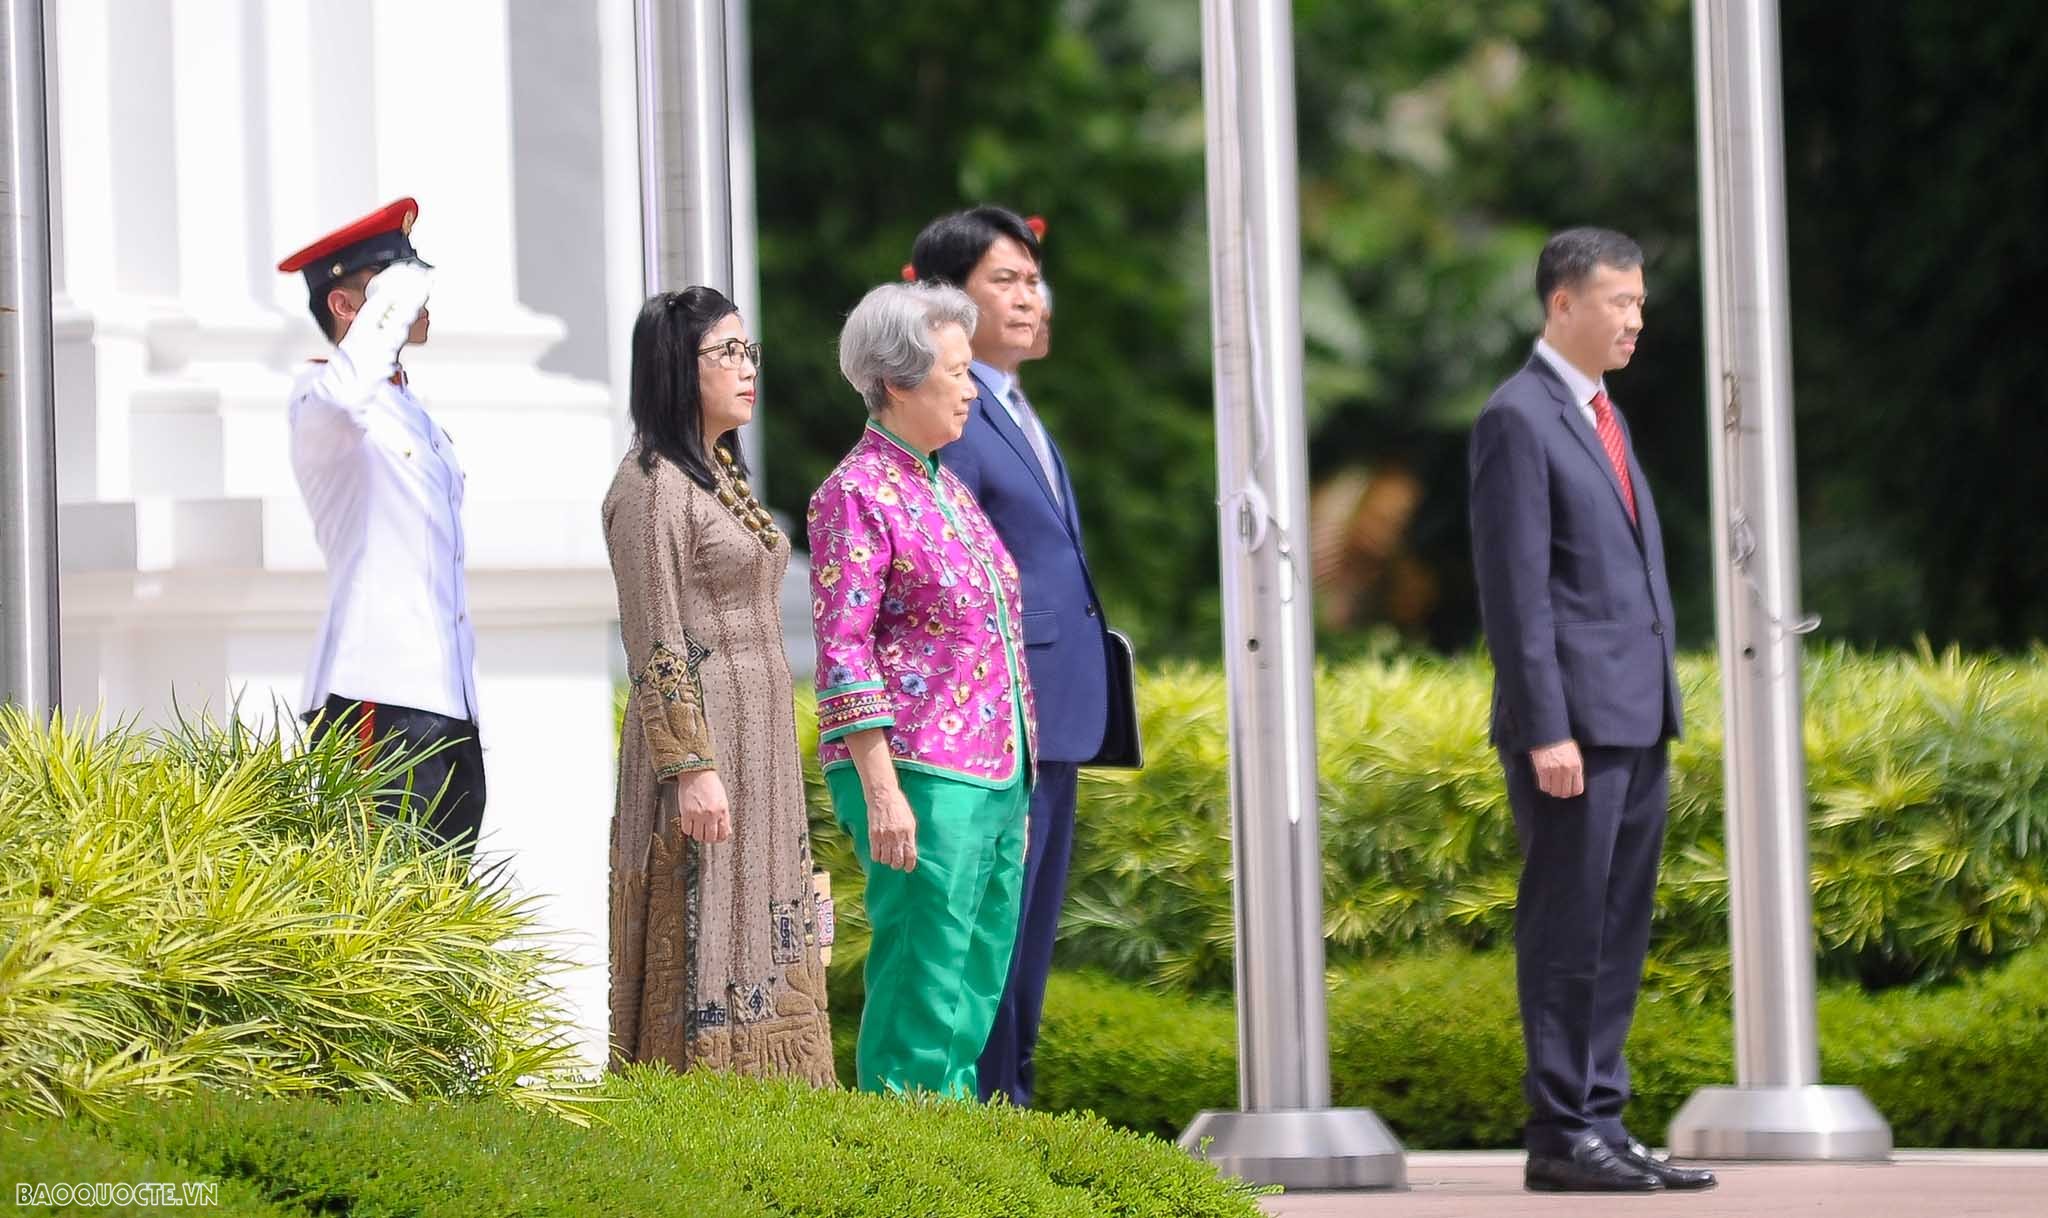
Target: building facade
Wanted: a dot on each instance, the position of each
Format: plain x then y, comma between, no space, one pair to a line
194,143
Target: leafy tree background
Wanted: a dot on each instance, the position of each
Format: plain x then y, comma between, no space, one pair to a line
1441,140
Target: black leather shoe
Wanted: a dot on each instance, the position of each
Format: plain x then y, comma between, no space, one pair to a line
1635,1154
1592,1167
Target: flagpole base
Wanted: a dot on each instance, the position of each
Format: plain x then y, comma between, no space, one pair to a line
1300,1148
1834,1124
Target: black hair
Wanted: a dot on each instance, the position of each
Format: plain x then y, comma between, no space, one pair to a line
666,405
317,301
1568,257
950,247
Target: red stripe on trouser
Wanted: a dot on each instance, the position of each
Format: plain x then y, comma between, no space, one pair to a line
366,741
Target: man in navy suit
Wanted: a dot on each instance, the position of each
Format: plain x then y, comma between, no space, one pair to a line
1577,611
1010,462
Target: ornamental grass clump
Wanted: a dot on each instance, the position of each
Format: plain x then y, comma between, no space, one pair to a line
216,905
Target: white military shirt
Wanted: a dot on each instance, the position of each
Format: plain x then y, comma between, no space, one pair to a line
381,481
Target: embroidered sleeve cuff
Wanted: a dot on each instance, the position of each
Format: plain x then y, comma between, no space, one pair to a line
846,687
678,738
853,708
827,735
670,701
686,766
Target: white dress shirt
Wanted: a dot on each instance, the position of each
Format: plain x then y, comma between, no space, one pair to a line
382,484
1011,394
1582,387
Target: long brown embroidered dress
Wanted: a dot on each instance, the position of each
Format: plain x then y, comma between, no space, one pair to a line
714,954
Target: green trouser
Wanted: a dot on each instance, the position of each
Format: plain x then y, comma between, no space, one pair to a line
942,933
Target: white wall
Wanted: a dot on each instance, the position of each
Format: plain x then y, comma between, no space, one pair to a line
196,143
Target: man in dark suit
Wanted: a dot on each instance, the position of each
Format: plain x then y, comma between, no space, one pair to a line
1010,462
1577,611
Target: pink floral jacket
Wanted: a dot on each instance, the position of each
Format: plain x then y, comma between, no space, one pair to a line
915,604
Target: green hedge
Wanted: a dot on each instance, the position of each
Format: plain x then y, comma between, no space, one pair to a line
49,1154
212,905
700,1144
1433,1044
1928,776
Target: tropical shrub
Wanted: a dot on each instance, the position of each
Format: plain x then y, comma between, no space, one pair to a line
1928,824
1928,779
699,1144
212,904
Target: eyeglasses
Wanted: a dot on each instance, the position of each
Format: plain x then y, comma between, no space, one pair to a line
730,351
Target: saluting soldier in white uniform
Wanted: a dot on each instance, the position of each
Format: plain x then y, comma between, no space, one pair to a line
396,658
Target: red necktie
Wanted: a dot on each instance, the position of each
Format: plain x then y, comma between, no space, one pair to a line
1617,450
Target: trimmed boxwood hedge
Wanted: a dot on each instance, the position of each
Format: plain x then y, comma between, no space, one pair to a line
657,1144
1433,1044
39,1153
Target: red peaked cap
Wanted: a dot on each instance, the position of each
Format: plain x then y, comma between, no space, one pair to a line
385,235
1035,223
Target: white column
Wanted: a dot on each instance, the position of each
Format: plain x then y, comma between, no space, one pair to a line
318,154
112,94
441,83
539,452
110,147
212,429
201,141
219,80
322,143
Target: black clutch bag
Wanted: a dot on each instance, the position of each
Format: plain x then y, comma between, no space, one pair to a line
1122,748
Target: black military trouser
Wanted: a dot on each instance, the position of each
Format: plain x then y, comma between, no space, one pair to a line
451,780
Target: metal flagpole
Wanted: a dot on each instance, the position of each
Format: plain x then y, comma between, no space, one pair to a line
1777,1109
746,263
685,156
697,159
1286,1133
29,670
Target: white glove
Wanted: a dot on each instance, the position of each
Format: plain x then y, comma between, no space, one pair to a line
404,286
368,354
391,303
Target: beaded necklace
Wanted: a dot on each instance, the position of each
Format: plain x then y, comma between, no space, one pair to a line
738,499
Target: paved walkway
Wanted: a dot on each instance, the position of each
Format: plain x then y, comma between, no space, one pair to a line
1916,1184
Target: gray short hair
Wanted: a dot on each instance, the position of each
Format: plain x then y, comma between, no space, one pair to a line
887,339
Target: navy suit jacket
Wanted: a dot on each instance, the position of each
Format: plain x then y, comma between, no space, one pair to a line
1063,626
1574,598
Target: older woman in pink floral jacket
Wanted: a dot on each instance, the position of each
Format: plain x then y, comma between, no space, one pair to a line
924,708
